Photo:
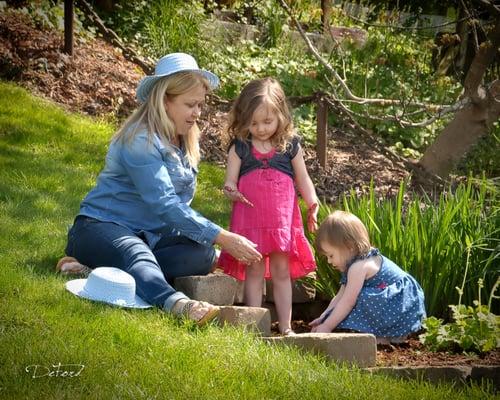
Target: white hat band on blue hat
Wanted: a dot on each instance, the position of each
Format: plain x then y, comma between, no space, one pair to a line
109,285
169,65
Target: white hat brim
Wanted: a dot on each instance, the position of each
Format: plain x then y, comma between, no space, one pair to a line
76,286
146,84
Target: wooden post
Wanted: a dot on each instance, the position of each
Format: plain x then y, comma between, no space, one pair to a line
326,12
321,130
68,27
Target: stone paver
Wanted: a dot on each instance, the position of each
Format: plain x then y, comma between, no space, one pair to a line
435,375
252,318
353,348
217,289
488,372
456,374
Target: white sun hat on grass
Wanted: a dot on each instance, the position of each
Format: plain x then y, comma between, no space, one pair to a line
108,285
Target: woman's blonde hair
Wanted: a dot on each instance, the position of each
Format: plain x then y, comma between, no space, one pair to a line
153,116
345,230
269,92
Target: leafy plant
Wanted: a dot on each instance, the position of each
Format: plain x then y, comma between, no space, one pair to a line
474,329
304,119
483,157
48,14
172,27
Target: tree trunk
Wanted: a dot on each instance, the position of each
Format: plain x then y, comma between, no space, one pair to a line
68,26
468,125
473,121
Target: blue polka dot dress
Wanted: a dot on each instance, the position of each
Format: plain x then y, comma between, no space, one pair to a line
390,303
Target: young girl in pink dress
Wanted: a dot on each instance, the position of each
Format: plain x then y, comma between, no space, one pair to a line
265,160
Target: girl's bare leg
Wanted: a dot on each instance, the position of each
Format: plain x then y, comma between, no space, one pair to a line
282,290
253,284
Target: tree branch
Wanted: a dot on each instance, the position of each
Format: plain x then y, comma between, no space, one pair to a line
114,39
349,94
480,63
494,9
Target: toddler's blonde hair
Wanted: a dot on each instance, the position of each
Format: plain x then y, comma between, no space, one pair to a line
153,116
266,91
342,229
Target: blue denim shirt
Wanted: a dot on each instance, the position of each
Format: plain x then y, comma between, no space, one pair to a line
148,188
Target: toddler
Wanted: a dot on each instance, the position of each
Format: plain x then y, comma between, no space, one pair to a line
376,296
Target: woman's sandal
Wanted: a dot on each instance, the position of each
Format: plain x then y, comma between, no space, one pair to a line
71,266
288,332
188,309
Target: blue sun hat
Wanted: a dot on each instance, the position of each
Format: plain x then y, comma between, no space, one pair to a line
169,65
108,285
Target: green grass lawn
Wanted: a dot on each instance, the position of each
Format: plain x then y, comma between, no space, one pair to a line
49,159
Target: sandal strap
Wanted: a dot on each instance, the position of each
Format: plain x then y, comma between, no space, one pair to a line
187,307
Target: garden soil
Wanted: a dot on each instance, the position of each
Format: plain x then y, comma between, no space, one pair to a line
97,80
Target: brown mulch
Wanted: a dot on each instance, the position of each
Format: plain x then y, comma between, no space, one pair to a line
413,353
97,80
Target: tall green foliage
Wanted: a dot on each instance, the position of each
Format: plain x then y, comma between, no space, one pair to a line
429,239
171,27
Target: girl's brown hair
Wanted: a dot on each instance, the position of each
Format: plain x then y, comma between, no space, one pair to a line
345,230
266,91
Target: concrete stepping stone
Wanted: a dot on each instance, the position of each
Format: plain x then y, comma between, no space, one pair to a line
218,289
255,319
434,375
354,348
456,374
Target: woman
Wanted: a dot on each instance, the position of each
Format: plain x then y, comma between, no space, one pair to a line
138,216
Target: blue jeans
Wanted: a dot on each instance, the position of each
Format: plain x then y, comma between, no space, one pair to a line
95,243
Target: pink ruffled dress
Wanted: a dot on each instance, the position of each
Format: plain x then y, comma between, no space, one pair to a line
274,223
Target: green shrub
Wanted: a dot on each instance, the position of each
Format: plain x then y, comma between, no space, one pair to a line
172,27
474,329
483,157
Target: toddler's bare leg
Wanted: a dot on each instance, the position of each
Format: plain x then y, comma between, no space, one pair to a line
282,290
253,284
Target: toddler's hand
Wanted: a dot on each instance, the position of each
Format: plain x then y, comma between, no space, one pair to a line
316,322
322,328
312,217
235,195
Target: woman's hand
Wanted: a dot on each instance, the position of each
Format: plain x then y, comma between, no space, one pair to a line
238,246
234,194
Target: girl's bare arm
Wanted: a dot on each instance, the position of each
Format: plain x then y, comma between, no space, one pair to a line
355,280
306,189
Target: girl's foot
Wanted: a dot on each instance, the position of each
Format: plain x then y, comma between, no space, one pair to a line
71,266
200,312
398,339
387,341
288,332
